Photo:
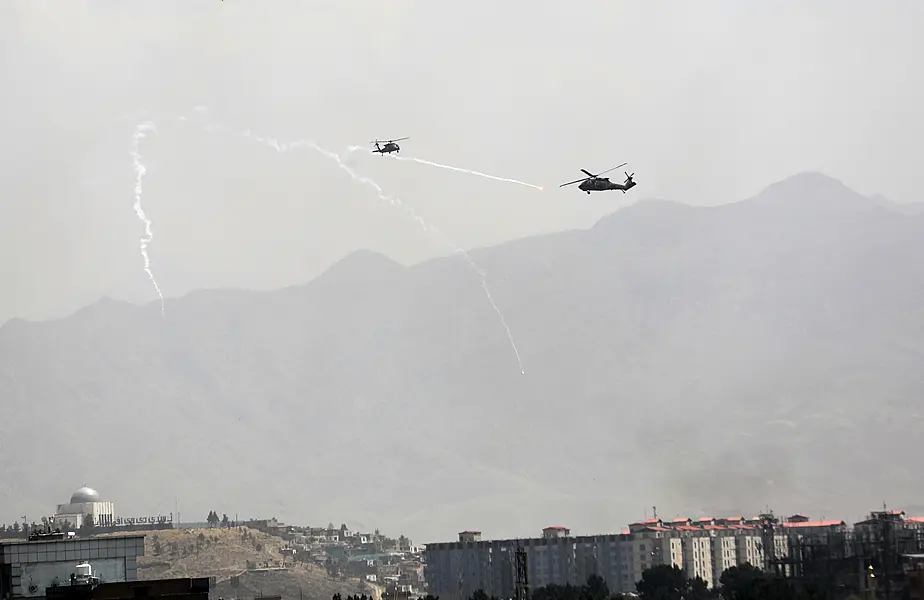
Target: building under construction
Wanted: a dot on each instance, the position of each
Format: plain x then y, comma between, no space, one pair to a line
881,557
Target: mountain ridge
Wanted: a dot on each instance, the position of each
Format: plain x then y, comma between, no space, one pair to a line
352,259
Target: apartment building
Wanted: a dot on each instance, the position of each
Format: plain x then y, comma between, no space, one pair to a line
703,548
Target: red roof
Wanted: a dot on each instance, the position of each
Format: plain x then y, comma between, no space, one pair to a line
555,528
814,524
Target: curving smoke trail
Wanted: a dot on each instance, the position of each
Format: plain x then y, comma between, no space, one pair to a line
141,131
393,201
448,167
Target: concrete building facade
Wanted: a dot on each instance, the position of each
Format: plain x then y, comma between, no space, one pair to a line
27,568
704,548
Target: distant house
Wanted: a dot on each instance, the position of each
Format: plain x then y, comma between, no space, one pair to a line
556,531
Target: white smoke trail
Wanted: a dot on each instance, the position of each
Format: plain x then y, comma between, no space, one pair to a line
392,200
459,169
140,133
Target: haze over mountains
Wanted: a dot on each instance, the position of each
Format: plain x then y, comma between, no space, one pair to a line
703,360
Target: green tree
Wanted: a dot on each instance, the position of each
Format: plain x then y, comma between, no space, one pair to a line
225,521
87,525
669,582
746,582
741,582
595,589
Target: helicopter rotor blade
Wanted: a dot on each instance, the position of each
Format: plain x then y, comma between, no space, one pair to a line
608,170
575,181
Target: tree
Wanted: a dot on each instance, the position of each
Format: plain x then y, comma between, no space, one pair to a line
739,582
87,524
745,582
596,588
225,521
669,582
213,519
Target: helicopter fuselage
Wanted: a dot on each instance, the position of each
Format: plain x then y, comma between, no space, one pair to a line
602,184
387,148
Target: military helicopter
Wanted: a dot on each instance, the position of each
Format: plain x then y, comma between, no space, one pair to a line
595,183
389,147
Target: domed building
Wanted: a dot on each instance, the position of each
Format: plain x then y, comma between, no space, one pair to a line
86,504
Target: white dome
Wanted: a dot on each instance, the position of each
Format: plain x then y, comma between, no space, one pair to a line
85,494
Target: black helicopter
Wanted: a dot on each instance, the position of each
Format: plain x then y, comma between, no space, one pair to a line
595,183
389,147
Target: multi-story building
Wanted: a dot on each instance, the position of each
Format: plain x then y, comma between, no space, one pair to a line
892,523
704,548
86,505
27,568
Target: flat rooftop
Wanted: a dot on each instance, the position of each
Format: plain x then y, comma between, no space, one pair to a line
34,551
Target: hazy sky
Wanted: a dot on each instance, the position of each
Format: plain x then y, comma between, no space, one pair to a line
709,102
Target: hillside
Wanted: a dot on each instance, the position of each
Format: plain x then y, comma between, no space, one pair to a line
241,552
698,359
